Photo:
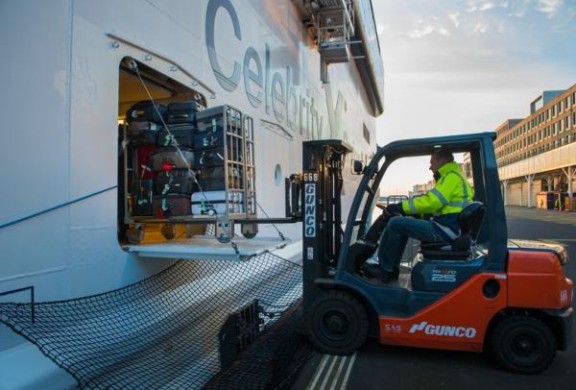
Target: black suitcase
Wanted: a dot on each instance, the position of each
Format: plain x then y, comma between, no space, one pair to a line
212,119
165,159
207,158
182,133
209,139
142,197
143,133
211,179
177,181
183,112
145,111
211,184
171,205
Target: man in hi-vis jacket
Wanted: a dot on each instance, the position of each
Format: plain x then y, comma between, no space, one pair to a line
445,201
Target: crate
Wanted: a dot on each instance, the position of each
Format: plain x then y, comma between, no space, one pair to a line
222,162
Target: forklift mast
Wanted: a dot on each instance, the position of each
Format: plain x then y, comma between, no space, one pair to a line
323,161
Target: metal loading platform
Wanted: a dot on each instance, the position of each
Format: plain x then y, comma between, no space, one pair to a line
207,247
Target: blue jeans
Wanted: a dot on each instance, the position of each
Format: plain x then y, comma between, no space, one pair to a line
396,235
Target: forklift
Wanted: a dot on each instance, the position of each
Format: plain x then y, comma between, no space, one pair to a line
479,293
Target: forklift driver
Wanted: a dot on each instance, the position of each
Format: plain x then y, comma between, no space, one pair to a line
445,201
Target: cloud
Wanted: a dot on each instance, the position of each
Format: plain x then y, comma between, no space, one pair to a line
479,5
454,17
486,6
481,27
549,7
427,29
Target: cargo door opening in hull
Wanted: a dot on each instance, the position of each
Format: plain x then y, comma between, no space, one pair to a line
187,174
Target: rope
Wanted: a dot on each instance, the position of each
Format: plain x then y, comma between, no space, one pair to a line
275,227
16,221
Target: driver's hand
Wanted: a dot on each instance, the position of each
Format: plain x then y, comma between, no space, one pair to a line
395,209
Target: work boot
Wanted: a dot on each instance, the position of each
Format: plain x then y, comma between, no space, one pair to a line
376,272
361,251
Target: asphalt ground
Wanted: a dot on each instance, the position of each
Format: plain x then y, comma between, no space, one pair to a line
388,367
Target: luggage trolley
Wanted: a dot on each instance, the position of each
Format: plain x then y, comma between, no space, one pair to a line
206,177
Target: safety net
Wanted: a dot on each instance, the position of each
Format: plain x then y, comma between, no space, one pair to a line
173,329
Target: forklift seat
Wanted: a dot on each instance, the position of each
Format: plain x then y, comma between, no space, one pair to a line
470,221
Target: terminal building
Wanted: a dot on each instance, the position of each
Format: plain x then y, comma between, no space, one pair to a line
537,155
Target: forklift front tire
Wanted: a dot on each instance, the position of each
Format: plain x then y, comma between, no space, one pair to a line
337,323
523,344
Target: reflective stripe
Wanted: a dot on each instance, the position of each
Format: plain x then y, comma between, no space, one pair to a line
411,206
465,192
440,197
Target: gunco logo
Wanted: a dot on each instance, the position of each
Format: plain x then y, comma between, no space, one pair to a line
443,330
310,210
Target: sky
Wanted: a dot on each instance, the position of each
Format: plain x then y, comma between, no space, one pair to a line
462,66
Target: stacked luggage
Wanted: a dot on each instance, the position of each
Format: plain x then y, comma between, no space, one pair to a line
144,120
185,160
219,147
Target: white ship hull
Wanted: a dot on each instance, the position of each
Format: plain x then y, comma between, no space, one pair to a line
63,96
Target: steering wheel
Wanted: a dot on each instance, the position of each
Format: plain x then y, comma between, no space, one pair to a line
382,206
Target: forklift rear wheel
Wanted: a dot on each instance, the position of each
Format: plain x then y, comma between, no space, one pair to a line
523,344
338,323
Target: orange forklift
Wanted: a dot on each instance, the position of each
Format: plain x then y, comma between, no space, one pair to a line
479,293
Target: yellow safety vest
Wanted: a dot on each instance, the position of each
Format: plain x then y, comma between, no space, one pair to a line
450,195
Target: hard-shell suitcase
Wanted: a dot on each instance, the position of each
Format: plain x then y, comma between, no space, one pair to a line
164,159
207,158
144,169
212,119
211,184
214,202
171,205
143,133
176,181
181,134
212,178
209,139
142,197
183,112
146,111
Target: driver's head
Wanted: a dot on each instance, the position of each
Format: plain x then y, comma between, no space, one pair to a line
439,158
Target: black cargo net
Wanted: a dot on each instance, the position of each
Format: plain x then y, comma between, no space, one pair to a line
166,331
